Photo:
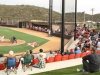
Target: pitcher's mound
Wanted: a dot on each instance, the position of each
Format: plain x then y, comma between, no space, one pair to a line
8,43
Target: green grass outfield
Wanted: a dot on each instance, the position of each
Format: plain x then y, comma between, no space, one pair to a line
8,33
66,71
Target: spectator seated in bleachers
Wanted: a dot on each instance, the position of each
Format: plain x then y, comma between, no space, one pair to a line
55,52
41,64
50,55
58,53
41,53
83,49
13,39
91,62
80,37
77,50
9,57
1,58
26,58
71,51
66,52
87,44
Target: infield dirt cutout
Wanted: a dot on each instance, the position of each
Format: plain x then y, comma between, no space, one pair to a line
8,43
53,43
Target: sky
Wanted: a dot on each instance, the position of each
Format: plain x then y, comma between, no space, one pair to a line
82,5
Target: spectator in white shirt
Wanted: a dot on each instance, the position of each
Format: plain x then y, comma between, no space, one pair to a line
55,53
50,55
41,53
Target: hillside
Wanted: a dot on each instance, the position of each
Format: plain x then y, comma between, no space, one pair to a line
69,17
25,12
29,12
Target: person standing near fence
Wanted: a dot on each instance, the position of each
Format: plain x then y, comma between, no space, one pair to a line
49,32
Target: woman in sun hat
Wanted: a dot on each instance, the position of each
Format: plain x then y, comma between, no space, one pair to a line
11,55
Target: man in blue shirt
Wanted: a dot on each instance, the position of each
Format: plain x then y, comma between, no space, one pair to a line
77,51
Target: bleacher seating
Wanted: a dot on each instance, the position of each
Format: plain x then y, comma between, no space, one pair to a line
88,53
71,56
56,58
51,59
34,61
98,51
83,54
78,55
64,57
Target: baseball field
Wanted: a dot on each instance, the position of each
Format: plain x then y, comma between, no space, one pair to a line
25,36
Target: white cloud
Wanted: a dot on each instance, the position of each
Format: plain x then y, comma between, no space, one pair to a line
87,5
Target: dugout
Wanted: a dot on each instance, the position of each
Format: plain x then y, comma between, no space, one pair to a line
22,24
41,24
37,23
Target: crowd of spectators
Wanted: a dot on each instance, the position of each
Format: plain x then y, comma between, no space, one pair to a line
89,41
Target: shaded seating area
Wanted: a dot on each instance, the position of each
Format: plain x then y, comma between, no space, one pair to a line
40,26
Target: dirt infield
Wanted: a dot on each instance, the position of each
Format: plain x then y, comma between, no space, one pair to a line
8,43
53,44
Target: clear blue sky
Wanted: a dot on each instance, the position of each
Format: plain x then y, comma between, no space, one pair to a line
82,5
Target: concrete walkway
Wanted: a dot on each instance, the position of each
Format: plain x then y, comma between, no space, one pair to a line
50,66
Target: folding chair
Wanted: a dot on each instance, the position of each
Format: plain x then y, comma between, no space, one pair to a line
2,67
27,62
11,65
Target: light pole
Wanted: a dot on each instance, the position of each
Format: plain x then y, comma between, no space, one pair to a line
50,14
92,13
75,19
62,26
84,17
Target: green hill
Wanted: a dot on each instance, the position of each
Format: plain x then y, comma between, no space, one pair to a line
31,12
26,12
